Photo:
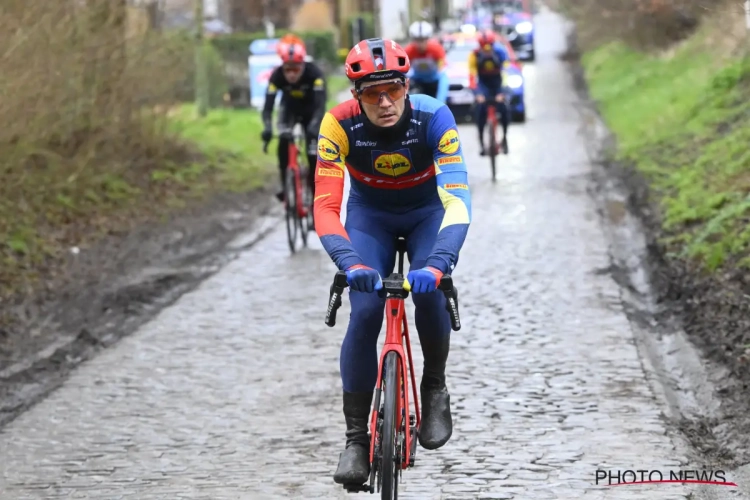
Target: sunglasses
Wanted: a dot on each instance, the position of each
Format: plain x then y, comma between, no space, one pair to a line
372,94
292,68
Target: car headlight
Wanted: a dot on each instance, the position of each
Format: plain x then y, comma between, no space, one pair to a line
524,27
515,81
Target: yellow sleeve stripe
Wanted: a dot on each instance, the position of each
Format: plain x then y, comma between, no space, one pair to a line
332,130
455,209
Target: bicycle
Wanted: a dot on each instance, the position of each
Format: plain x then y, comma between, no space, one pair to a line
297,214
494,147
393,445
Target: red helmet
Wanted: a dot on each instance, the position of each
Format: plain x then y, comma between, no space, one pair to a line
291,51
486,37
376,59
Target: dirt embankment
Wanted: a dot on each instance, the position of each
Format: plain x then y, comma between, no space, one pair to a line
672,82
111,203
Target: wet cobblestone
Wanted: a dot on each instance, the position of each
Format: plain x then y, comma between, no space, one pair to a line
234,392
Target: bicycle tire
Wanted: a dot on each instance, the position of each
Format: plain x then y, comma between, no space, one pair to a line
390,464
493,149
303,220
290,194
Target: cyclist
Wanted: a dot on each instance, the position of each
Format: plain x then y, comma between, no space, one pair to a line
486,78
427,57
408,178
303,86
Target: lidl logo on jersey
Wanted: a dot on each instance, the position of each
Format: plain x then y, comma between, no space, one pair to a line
392,164
449,142
328,151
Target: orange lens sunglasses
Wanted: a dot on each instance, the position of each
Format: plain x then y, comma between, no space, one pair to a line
372,95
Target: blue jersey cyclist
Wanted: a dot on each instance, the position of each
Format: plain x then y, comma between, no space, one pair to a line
486,65
408,178
427,59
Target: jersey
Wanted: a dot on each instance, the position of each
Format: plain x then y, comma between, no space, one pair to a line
426,66
423,166
486,68
307,97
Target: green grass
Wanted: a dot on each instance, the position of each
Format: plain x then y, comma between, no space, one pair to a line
336,85
684,121
229,139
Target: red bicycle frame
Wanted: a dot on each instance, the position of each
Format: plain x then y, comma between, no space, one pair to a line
397,333
294,167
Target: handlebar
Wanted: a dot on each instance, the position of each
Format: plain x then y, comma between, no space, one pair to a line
446,285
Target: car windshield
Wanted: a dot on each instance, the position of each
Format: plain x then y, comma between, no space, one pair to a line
459,54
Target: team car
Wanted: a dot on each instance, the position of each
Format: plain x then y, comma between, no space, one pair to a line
511,18
516,23
461,98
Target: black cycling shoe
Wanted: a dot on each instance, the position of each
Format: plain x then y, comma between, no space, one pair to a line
505,145
437,426
280,195
354,461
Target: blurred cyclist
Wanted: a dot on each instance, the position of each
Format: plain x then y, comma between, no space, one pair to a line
407,178
427,57
304,96
486,78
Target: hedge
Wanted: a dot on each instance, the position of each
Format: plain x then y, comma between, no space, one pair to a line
320,44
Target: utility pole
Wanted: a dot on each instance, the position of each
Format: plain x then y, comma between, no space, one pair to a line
201,79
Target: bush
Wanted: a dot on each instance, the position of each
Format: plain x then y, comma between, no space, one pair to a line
640,23
235,47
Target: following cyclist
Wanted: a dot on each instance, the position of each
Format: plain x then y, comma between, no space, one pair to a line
486,65
303,101
427,57
408,178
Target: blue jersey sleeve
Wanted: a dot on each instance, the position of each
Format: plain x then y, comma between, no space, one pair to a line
453,188
502,54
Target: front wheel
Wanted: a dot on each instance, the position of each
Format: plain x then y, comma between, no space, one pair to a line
290,203
390,462
493,150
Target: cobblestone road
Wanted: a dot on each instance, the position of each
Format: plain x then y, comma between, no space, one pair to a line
233,393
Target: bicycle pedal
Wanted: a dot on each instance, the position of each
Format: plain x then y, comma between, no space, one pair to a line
357,488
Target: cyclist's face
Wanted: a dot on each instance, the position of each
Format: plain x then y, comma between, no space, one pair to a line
383,102
292,71
421,44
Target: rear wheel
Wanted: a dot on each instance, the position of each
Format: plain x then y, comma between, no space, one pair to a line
390,462
290,202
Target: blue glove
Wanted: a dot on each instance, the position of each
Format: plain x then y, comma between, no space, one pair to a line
363,279
423,280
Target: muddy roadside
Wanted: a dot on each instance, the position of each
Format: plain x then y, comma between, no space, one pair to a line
119,284
704,374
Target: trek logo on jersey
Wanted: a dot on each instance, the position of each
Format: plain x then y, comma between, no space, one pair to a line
327,150
449,142
449,159
331,172
392,164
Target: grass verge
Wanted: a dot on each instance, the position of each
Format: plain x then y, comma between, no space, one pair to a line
682,120
64,202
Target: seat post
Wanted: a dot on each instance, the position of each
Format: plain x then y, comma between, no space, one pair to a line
401,249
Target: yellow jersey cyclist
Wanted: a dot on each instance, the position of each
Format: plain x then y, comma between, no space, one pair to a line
408,178
486,65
